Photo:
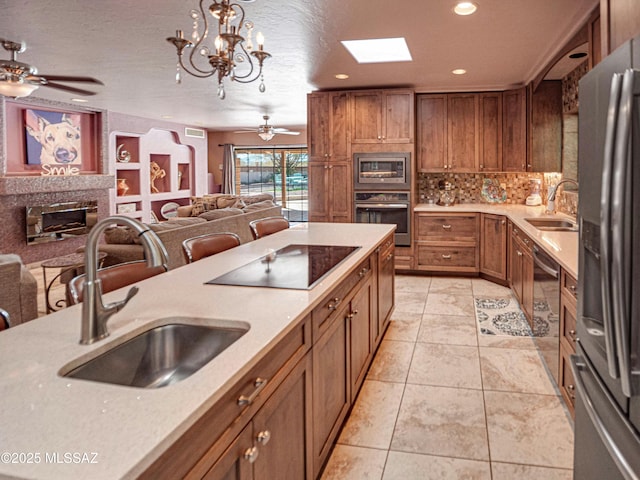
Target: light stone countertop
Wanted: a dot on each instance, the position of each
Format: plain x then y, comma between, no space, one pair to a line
128,428
562,246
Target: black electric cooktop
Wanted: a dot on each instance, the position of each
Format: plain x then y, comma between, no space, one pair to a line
297,267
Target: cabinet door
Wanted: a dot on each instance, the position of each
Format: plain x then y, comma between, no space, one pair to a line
490,132
462,120
338,141
527,285
360,335
545,136
331,395
366,125
341,192
282,427
318,126
516,267
398,117
386,278
493,246
318,194
514,130
236,463
432,133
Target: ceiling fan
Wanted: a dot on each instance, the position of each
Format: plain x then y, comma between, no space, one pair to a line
19,79
266,131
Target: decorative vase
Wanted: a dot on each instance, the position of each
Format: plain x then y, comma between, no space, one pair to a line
122,186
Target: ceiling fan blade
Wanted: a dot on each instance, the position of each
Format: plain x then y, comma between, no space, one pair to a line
70,78
287,132
66,88
245,131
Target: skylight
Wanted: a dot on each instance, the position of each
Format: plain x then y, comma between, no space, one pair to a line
379,50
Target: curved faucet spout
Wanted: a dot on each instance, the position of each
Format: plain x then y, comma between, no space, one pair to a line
95,313
551,198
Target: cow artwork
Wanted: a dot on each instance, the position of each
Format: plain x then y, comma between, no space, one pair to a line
53,141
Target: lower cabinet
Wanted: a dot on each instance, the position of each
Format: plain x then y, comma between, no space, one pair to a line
568,313
493,246
521,270
386,289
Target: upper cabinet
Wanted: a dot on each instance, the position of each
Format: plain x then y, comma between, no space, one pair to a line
620,22
328,126
490,132
545,131
462,128
382,116
431,133
514,130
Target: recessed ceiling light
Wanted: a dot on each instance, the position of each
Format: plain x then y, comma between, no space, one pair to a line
459,71
378,50
578,55
465,8
341,76
79,100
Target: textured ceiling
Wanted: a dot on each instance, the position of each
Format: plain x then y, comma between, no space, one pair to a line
122,42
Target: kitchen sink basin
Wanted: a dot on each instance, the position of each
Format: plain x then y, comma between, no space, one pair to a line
160,356
553,224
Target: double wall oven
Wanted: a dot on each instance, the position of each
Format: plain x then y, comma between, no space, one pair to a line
383,191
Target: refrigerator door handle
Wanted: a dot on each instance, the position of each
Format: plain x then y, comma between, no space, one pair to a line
605,224
581,366
620,231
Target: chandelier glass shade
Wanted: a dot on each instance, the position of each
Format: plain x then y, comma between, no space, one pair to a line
220,47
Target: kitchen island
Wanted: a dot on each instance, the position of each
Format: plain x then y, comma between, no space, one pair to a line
57,427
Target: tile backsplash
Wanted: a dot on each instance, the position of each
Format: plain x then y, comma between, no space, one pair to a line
517,186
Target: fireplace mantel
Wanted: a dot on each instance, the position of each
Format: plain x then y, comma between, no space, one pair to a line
26,185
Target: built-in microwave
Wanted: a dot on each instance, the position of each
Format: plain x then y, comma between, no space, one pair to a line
382,171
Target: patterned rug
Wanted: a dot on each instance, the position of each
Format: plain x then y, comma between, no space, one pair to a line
503,316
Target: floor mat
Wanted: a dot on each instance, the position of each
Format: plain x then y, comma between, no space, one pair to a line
501,316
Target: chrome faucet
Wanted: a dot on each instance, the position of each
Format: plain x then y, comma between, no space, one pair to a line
95,313
551,198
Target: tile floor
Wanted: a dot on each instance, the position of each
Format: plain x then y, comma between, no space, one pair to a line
443,402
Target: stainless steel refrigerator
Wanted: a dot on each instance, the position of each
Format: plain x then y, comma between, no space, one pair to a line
606,365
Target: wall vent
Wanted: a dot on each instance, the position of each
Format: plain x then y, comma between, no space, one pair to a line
194,132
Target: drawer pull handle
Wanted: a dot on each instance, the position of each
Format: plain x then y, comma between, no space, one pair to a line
334,303
519,253
352,314
251,454
446,257
363,272
390,256
263,437
571,389
259,384
446,227
572,334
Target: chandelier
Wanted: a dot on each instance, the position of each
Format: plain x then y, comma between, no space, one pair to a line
228,54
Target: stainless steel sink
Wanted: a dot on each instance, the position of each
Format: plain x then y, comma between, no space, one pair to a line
161,356
553,224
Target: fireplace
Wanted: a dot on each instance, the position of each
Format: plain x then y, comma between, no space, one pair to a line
58,221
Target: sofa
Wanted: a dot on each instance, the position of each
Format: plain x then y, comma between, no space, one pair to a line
207,214
18,290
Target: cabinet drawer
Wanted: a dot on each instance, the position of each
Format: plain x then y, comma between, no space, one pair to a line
525,243
447,256
567,383
448,227
569,286
332,301
568,323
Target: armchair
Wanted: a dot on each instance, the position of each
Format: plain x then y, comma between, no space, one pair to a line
18,290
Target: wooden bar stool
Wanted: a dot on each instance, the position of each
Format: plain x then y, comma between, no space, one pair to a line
114,277
266,226
196,248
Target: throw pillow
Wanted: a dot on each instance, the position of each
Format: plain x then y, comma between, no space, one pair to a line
220,213
259,206
259,197
224,201
120,236
185,221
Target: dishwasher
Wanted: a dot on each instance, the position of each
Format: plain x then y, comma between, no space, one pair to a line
546,308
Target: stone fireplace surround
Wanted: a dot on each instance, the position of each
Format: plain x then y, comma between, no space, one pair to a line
19,191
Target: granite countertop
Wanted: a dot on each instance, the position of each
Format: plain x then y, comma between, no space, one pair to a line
63,428
562,246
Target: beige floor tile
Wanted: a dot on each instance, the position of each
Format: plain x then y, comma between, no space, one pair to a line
514,370
410,466
374,414
485,288
504,341
412,283
445,365
448,329
508,471
410,302
392,362
451,285
528,429
404,326
442,421
349,462
445,304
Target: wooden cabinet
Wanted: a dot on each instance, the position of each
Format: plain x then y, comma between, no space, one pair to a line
431,139
462,132
568,313
174,185
386,289
514,130
493,246
521,270
620,22
447,243
545,132
330,191
490,132
382,116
